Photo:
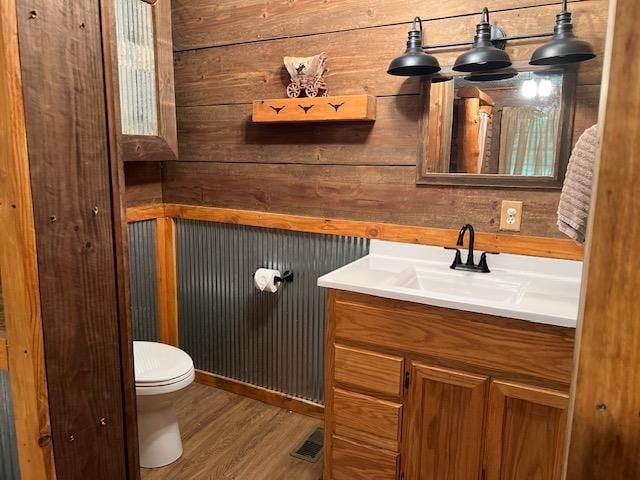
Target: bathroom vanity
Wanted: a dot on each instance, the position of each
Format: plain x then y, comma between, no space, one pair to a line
440,374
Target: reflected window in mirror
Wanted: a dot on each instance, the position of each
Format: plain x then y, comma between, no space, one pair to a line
513,132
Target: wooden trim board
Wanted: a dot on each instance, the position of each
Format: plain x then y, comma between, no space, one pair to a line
505,243
167,281
121,242
271,397
4,355
18,256
145,212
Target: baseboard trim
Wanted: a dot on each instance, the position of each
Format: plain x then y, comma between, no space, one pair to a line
264,395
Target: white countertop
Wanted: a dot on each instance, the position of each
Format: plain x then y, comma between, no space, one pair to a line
536,289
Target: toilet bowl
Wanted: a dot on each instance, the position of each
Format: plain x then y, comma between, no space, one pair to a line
160,370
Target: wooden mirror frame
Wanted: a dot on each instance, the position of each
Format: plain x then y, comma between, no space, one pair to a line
163,146
432,130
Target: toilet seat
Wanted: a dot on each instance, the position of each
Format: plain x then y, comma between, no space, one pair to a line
161,368
161,388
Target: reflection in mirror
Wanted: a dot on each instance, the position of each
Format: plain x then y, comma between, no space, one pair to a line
486,132
136,67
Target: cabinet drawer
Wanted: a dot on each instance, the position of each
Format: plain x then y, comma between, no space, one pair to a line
482,340
371,416
353,461
371,371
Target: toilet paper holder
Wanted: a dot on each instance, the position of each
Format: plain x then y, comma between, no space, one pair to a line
287,277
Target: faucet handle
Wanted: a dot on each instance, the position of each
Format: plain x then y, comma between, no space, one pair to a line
457,260
482,265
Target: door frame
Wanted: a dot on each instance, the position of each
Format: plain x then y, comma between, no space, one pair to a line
21,292
604,422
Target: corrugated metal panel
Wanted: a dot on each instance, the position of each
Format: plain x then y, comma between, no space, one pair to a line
142,272
231,329
9,469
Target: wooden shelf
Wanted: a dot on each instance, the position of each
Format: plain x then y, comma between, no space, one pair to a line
351,108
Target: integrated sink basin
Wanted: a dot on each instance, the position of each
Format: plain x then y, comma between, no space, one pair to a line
535,289
461,285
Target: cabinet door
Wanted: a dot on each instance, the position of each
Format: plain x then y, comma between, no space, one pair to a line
142,76
445,423
525,432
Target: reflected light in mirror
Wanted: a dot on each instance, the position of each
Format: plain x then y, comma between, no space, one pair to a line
544,88
529,89
535,88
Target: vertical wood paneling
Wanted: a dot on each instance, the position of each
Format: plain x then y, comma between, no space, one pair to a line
231,329
64,97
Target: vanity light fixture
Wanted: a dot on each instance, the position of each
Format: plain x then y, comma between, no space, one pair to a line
487,60
486,54
564,47
414,61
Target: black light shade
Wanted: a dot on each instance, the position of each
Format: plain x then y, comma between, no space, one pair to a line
483,56
493,76
414,61
564,47
439,78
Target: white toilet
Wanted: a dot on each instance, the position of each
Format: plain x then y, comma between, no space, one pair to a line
161,370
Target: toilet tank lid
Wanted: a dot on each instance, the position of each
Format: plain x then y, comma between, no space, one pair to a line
158,362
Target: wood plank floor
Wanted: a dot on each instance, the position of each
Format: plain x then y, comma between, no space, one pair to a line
226,436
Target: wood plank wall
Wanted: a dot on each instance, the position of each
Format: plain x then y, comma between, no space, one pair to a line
64,98
230,53
143,183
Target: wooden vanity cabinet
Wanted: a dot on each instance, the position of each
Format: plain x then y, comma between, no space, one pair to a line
415,392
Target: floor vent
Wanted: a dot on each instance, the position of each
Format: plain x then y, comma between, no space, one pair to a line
310,449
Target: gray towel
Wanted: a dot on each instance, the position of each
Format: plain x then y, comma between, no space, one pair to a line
575,200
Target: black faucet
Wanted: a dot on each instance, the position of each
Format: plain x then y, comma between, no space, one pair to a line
472,239
469,265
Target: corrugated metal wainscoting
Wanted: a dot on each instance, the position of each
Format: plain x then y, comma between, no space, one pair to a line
9,469
231,329
142,272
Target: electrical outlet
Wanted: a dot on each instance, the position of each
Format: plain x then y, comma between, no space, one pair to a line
510,215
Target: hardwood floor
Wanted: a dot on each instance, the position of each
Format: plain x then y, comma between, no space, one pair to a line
226,436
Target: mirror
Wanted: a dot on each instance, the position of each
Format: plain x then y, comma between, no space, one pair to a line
137,67
513,132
